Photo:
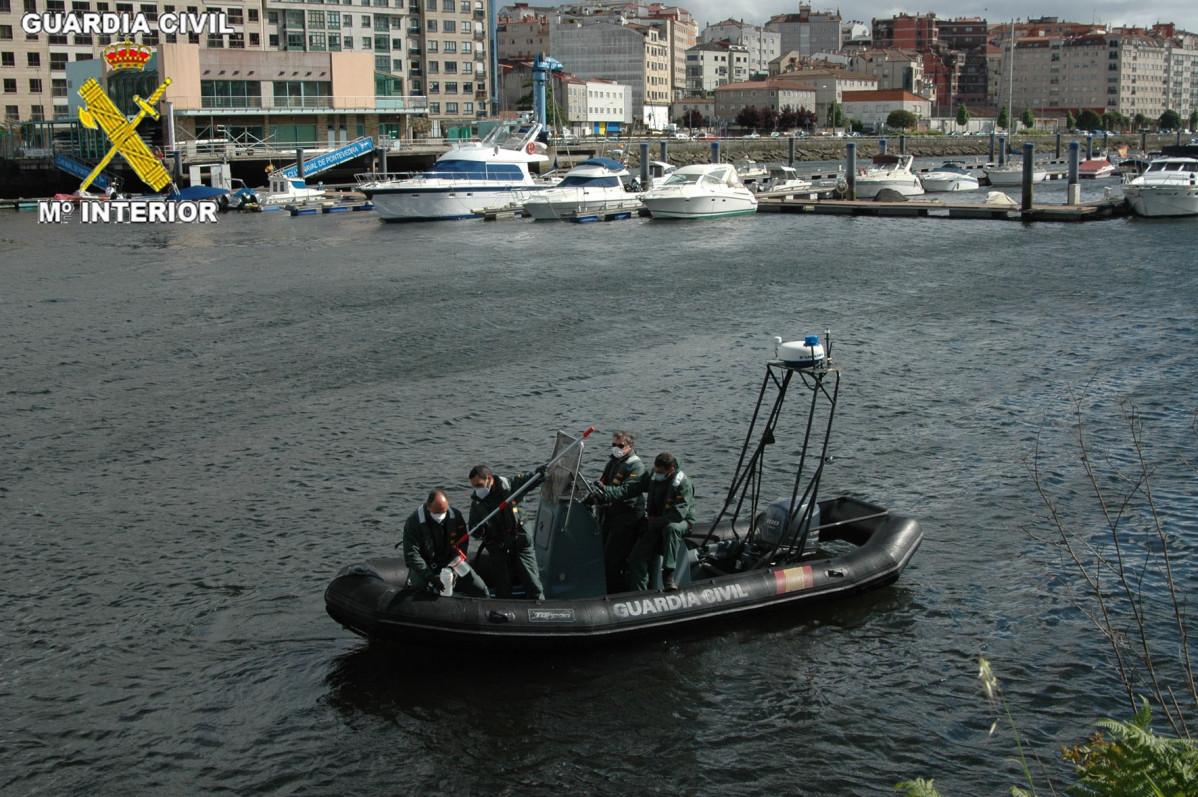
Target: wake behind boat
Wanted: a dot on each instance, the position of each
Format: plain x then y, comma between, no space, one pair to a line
493,172
752,556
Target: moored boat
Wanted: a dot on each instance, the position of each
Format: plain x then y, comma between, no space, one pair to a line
1168,187
888,171
1095,169
468,178
705,190
1011,173
595,185
949,176
753,556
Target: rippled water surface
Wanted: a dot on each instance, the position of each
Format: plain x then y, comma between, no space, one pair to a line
202,425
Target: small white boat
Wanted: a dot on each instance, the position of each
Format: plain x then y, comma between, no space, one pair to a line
469,178
705,190
949,176
1095,169
1012,173
1168,187
596,185
285,190
783,180
659,172
888,171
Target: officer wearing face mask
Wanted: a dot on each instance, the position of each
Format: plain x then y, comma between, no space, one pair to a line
433,537
670,512
618,519
507,542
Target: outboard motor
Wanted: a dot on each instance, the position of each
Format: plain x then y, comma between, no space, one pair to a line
769,527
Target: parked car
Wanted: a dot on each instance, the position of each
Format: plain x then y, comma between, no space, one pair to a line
706,137
682,137
754,134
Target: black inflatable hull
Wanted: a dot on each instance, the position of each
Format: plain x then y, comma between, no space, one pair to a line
369,599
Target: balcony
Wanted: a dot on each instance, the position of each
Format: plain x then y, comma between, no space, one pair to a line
246,106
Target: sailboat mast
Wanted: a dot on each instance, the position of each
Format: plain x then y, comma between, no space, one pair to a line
1011,83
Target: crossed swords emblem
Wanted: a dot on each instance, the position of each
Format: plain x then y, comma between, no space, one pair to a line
122,132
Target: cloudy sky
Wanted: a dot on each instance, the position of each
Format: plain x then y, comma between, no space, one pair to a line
1115,12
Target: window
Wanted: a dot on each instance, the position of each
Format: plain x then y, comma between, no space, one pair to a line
467,26
252,14
10,85
468,107
381,23
12,112
33,60
382,44
317,42
434,87
451,107
450,47
6,32
58,61
334,43
35,85
234,16
315,19
37,113
448,6
295,41
432,46
333,20
58,87
382,63
451,87
451,67
434,107
432,26
468,66
8,59
434,67
449,26
466,47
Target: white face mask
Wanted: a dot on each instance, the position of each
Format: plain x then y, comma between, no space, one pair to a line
438,516
658,477
481,492
617,451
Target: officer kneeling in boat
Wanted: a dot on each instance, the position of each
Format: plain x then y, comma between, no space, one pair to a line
670,514
434,538
507,542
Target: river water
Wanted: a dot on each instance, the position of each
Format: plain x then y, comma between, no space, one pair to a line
201,425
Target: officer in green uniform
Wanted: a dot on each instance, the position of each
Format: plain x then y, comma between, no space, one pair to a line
507,542
433,537
670,512
618,519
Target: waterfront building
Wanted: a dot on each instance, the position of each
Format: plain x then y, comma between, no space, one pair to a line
591,106
776,93
278,99
830,85
872,107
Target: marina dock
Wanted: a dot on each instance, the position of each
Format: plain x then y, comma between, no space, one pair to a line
1085,211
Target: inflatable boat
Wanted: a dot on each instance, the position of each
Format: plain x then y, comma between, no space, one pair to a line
751,557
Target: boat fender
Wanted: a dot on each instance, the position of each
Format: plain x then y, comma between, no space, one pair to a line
678,477
531,148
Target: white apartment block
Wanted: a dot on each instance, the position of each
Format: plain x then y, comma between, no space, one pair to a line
762,45
710,65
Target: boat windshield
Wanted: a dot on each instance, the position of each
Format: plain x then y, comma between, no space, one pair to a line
560,482
474,170
684,178
590,182
1173,166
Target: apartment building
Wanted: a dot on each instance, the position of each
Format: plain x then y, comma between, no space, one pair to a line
763,45
872,108
777,93
896,69
807,32
612,48
710,65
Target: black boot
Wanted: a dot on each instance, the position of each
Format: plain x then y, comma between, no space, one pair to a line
667,580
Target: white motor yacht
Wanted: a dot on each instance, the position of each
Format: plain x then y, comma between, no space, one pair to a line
949,176
888,171
595,185
1168,187
284,190
469,177
705,190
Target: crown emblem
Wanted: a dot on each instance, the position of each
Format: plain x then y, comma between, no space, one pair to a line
127,55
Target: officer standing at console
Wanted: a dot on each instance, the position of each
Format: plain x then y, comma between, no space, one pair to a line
618,519
670,513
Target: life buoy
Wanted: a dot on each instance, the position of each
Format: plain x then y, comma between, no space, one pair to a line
531,148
